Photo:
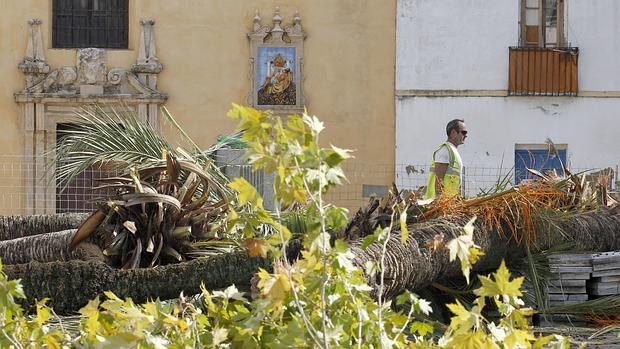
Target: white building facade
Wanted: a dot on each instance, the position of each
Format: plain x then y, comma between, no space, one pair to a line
519,73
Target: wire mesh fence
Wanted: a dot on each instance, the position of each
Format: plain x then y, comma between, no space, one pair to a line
14,171
27,188
475,179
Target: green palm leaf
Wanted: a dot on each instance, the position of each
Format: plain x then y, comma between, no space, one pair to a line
116,141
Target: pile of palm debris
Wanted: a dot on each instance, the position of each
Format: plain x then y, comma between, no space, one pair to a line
516,209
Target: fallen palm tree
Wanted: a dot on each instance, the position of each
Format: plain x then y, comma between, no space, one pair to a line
411,266
186,183
534,216
416,265
159,215
71,285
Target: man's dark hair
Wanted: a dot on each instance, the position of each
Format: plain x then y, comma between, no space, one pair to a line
453,125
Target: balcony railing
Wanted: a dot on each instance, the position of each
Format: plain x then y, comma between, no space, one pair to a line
543,71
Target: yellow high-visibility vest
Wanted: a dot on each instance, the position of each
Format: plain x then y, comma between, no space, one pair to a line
451,180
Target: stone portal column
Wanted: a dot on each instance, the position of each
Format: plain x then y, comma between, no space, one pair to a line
146,68
28,164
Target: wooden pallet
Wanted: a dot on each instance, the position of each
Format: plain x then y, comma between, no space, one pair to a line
605,275
569,276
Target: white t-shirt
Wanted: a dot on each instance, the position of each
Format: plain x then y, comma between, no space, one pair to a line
442,156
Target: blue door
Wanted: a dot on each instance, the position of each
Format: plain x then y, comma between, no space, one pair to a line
537,159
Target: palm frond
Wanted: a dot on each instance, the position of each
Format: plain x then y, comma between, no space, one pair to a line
233,141
503,182
155,217
536,275
295,221
109,140
209,248
607,306
117,141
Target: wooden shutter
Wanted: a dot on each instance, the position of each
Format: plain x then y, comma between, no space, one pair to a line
538,71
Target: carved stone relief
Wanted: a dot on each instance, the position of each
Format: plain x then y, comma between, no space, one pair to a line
91,65
90,76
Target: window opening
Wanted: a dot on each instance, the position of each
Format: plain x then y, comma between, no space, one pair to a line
90,23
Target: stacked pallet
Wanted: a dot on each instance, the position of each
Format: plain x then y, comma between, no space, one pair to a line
567,284
605,275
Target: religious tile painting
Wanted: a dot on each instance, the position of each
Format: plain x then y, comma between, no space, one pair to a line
276,76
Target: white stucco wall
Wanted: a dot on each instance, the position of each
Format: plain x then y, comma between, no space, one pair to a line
594,27
463,44
454,44
589,127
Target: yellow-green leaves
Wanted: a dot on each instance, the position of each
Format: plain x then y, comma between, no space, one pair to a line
90,313
335,156
421,328
246,193
290,150
44,314
344,256
469,329
471,340
501,286
231,292
274,287
553,341
463,320
519,339
464,248
251,121
219,336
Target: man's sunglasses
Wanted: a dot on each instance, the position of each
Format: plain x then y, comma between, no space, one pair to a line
464,133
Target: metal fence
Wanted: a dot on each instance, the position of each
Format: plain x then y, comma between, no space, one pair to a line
22,193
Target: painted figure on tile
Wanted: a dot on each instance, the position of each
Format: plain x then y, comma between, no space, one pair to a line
278,86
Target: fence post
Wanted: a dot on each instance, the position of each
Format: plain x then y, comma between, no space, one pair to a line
463,191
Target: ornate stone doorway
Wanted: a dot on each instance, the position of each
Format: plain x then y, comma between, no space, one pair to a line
51,97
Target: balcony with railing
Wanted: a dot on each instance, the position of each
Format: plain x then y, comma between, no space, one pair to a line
543,71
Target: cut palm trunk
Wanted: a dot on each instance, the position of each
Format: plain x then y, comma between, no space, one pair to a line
13,227
47,247
415,265
70,285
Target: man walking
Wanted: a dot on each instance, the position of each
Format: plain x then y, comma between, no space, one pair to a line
447,165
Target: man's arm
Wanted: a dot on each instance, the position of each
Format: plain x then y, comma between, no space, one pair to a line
440,172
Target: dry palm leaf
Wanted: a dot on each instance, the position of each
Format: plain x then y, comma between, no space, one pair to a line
87,228
518,213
